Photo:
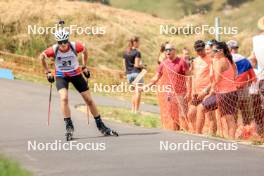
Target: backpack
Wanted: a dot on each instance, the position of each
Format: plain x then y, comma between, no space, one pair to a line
71,47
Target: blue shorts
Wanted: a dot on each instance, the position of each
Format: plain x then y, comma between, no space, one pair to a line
210,103
132,76
226,102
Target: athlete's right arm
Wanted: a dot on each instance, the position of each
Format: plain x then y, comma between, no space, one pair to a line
43,58
84,56
48,73
49,52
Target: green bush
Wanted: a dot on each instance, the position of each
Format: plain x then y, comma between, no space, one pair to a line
11,168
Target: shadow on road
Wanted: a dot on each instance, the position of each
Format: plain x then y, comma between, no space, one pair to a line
138,134
122,134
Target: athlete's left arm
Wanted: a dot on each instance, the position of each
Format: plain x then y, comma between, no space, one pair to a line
84,56
81,48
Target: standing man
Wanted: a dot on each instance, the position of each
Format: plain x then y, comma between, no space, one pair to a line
176,70
200,88
257,58
67,70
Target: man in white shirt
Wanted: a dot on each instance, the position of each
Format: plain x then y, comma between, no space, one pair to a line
257,59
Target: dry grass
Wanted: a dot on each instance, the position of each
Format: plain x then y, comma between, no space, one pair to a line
106,51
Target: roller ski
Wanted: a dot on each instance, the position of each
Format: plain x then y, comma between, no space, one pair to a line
104,129
69,130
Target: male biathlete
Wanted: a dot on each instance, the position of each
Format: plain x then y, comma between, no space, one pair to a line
67,70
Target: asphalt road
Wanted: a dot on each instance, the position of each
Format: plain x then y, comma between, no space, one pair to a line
23,115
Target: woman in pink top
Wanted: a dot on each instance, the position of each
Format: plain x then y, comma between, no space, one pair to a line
223,93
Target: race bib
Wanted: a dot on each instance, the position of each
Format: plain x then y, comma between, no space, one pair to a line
66,62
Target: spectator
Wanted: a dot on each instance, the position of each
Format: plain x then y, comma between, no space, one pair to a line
223,93
245,76
186,56
257,58
176,68
133,65
162,54
208,47
200,86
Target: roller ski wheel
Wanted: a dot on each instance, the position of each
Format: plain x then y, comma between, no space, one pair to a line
69,136
109,132
114,133
105,130
69,131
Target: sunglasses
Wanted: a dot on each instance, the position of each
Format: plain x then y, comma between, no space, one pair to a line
216,50
209,43
62,42
169,49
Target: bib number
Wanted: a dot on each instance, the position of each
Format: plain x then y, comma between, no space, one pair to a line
66,63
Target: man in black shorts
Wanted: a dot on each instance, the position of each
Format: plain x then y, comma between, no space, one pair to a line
67,70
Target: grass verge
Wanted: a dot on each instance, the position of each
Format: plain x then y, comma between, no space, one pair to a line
143,119
11,168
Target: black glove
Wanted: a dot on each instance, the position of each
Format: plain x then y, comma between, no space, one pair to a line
50,77
86,72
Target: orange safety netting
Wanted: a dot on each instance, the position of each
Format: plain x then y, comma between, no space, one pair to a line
172,103
245,105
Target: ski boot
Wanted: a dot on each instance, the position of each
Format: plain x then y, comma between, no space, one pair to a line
69,131
104,129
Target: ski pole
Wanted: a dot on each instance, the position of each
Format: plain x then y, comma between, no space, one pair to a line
49,104
88,109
